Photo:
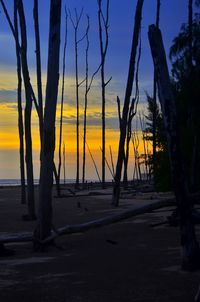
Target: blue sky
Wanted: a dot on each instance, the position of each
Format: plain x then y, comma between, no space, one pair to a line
173,14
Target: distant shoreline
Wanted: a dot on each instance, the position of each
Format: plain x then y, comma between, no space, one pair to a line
14,183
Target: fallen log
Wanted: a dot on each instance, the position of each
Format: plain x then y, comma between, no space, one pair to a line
83,227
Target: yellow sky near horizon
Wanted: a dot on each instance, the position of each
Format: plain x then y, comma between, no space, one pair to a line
9,141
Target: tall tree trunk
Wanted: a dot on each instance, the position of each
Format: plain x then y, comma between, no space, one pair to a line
154,99
86,101
132,113
135,40
44,225
75,24
28,109
62,100
103,51
189,244
38,67
20,112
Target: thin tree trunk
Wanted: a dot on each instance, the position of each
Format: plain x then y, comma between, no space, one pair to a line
20,112
154,99
138,17
64,170
88,85
94,163
44,225
28,109
189,244
132,113
76,24
103,52
86,101
62,99
111,159
38,67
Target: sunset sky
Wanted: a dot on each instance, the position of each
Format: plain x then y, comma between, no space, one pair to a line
173,14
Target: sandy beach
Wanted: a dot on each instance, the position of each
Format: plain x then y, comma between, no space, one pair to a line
125,261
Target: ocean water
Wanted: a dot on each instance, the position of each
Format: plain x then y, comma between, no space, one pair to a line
17,182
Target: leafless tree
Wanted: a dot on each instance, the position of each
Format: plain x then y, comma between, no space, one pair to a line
111,159
64,163
30,97
38,67
20,111
103,21
88,84
190,247
123,127
131,114
44,225
155,97
28,109
94,163
76,23
62,99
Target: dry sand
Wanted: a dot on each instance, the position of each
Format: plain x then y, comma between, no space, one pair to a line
125,262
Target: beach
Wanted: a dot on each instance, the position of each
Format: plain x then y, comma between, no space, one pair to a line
126,261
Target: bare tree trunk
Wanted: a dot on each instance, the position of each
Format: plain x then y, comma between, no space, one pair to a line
20,113
86,100
103,51
132,113
75,24
154,99
111,159
62,99
88,85
189,244
44,225
64,172
28,109
138,17
38,67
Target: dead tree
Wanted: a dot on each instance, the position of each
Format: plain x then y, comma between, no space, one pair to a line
28,110
103,21
190,247
132,113
29,94
62,100
39,103
64,164
94,163
88,84
44,225
75,23
87,88
155,100
38,68
20,111
123,128
111,159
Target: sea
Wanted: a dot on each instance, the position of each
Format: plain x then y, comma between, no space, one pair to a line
17,182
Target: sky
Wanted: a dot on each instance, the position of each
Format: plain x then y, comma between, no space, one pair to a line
173,14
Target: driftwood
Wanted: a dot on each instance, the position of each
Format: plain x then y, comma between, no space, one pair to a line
83,227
